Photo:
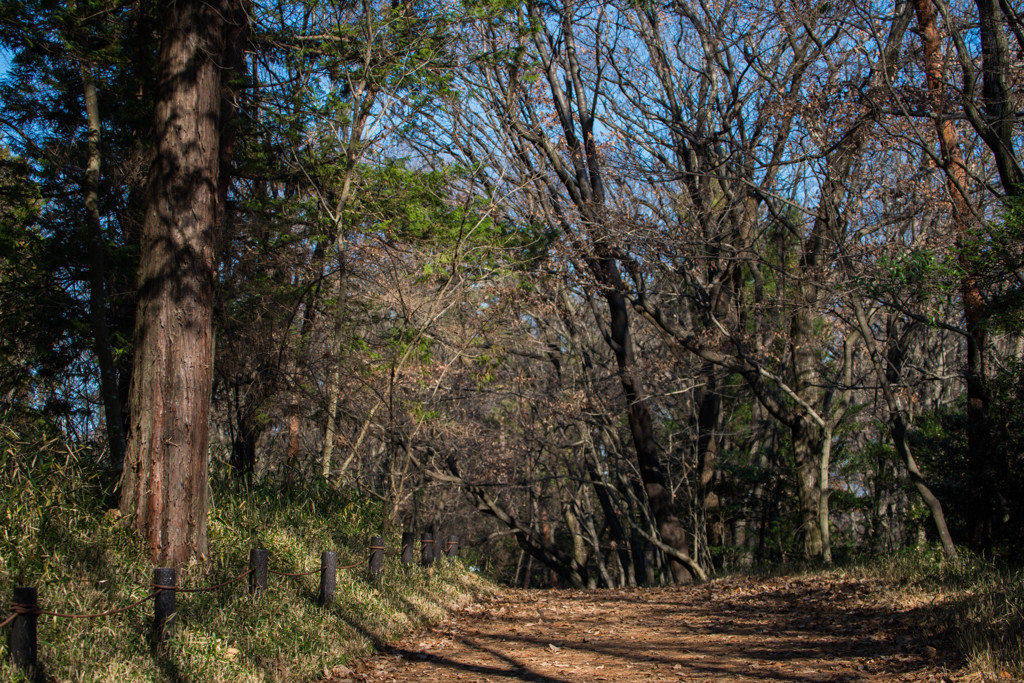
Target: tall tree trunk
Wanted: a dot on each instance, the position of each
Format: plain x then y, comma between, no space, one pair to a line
659,495
620,541
365,95
335,375
979,442
806,450
112,411
807,436
164,487
997,95
810,430
823,509
709,417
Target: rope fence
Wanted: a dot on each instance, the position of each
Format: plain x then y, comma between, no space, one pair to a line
25,610
294,574
204,589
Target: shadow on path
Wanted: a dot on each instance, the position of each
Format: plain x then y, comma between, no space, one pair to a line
734,630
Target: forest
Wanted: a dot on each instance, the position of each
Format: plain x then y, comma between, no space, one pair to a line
626,292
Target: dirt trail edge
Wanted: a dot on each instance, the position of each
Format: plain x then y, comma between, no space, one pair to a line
784,629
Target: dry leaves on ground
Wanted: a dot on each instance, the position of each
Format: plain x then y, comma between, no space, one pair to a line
802,629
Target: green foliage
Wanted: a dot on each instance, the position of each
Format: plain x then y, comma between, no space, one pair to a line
37,342
413,206
939,441
44,278
991,255
1005,257
49,493
1006,413
921,272
57,536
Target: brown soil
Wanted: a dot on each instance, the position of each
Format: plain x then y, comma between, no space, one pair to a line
783,629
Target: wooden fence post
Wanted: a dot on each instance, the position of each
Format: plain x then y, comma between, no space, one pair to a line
22,641
258,565
376,556
427,551
408,547
165,604
328,576
452,546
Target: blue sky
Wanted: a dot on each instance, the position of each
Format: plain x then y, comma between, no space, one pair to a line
5,64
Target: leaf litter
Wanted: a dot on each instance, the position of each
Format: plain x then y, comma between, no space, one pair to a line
794,629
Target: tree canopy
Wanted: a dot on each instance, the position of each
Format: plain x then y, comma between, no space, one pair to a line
659,289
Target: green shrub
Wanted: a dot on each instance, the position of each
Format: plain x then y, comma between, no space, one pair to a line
58,536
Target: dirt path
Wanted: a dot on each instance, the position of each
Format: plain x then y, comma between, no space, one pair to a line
782,629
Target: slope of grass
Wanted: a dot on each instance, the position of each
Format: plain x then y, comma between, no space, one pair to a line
980,604
57,536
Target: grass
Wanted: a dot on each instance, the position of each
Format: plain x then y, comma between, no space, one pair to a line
979,606
57,536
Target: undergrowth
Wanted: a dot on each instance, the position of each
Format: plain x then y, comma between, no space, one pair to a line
981,603
57,535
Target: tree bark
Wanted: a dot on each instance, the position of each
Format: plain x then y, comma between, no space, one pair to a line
979,440
584,184
164,487
659,496
364,97
112,411
535,543
997,96
709,417
807,436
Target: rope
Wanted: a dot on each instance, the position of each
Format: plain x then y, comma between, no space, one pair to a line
18,609
392,553
314,571
205,589
29,609
157,589
360,563
352,566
